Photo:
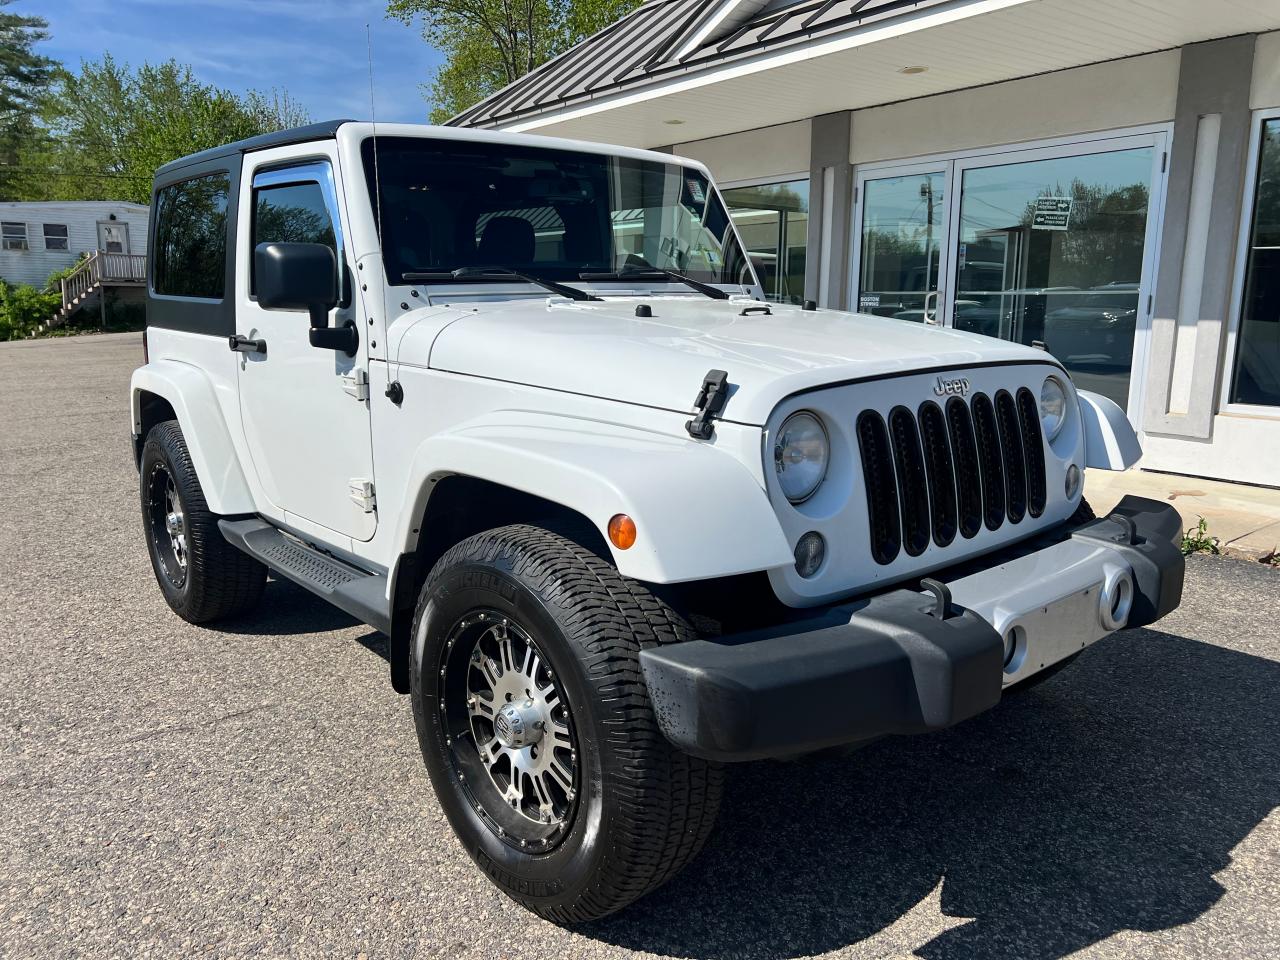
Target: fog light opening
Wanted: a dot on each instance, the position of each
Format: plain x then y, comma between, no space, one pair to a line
1015,649
1073,481
1115,600
811,550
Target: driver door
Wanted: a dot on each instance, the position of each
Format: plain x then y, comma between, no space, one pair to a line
304,409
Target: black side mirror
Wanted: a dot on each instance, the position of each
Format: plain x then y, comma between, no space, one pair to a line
303,276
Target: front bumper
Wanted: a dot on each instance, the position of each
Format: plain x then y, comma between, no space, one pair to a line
909,661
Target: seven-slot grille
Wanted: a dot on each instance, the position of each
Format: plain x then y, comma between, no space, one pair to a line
946,471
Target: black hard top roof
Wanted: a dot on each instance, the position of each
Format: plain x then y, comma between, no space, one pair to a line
281,138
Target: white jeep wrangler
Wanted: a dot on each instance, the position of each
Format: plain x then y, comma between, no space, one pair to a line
517,402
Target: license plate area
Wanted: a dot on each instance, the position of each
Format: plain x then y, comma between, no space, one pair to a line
1047,634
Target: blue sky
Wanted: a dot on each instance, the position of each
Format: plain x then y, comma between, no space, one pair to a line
315,49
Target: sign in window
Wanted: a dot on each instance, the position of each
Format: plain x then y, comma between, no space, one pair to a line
1052,252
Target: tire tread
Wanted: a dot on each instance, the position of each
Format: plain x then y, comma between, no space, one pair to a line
224,581
668,800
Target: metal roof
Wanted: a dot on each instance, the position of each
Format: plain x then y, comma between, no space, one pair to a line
280,138
642,48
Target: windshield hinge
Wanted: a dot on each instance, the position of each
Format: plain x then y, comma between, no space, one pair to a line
710,401
360,492
356,383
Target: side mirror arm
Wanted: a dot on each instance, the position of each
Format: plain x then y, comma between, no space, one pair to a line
344,339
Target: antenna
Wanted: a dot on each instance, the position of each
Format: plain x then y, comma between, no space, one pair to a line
373,116
394,392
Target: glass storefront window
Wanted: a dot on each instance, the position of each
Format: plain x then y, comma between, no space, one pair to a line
1256,378
903,232
773,220
1051,251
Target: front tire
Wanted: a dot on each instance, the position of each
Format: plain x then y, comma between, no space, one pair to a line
537,730
202,576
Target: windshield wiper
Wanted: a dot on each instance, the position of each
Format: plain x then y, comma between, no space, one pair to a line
655,273
478,273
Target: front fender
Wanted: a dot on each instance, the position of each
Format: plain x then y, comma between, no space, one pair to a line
190,392
699,512
1109,440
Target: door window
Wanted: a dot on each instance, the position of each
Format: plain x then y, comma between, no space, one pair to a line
1051,251
289,208
1256,378
113,237
773,221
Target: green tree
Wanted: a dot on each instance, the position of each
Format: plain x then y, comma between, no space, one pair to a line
110,126
490,43
24,77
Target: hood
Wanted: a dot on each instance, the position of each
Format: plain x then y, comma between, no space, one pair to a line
602,349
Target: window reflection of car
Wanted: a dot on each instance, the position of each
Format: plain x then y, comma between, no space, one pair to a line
1098,329
972,315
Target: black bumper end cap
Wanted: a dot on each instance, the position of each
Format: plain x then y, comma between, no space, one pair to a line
886,666
1147,534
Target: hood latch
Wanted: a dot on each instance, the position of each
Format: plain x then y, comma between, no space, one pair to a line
710,401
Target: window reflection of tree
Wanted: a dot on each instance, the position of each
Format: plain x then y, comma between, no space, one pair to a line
191,238
1105,238
286,223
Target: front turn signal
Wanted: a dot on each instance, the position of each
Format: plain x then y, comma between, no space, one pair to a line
622,531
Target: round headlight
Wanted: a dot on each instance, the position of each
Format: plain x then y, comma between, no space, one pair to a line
1053,406
800,456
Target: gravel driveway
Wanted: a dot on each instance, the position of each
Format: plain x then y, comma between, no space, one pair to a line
257,789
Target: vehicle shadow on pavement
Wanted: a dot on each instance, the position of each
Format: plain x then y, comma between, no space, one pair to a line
287,609
1105,799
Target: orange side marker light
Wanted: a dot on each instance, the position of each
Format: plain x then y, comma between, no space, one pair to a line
622,531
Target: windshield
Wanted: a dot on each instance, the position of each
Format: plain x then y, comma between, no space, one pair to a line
554,214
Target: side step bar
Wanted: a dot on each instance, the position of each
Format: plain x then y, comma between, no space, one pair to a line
358,592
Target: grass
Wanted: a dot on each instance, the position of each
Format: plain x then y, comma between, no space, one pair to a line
1198,540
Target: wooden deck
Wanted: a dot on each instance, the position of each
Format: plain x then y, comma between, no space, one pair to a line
99,271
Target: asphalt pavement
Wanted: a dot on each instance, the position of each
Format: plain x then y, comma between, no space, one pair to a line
256,790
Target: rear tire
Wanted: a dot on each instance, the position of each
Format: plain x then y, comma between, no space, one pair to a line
202,576
526,611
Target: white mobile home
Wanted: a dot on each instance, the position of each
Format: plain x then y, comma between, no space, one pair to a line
38,238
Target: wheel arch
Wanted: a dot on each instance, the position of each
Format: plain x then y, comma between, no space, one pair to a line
166,389
699,513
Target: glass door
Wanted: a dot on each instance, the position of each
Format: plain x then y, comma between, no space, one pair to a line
773,221
901,242
1055,247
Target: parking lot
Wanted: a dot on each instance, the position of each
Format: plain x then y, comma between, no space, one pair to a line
257,790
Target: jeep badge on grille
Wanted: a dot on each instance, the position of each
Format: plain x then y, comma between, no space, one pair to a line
958,386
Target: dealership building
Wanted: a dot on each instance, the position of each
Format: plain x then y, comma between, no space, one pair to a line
1101,177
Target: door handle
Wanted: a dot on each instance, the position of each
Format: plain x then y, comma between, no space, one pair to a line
242,344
